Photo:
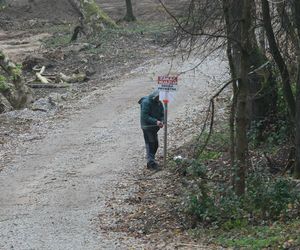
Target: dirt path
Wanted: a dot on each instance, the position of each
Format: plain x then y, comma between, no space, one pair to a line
18,45
54,188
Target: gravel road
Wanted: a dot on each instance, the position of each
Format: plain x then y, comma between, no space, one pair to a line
53,188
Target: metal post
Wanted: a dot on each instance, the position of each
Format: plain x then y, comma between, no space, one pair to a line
166,131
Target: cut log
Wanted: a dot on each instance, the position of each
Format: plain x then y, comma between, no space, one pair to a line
40,77
81,77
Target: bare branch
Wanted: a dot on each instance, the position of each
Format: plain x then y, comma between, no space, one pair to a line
194,33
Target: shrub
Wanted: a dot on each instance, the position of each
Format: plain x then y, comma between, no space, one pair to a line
269,198
265,199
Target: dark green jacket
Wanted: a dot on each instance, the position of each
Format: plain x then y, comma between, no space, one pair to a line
151,111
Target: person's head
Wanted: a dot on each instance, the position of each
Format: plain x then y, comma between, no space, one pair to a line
155,95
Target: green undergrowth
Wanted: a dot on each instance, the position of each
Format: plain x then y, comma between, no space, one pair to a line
278,235
267,215
270,135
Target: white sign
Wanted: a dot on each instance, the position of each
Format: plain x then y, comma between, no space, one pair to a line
167,85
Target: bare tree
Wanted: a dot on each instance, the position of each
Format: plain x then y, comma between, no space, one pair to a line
243,25
285,76
242,11
205,21
290,24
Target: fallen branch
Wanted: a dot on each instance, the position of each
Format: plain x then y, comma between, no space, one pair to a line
47,86
81,77
40,77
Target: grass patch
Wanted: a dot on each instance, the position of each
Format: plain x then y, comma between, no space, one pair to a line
207,155
218,143
58,40
277,236
110,36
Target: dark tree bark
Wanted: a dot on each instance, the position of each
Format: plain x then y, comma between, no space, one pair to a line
286,24
297,120
285,76
228,21
262,88
241,116
77,30
297,124
238,24
129,17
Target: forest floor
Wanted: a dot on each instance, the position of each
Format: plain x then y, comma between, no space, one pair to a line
71,174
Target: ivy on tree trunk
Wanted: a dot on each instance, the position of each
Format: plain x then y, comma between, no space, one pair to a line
93,18
15,91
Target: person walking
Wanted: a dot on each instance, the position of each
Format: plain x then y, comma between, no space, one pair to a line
152,117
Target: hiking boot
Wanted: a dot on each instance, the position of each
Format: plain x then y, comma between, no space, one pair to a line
153,166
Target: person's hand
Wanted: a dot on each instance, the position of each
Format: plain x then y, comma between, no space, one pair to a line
160,124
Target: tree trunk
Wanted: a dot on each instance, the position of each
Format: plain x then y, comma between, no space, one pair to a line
238,26
262,87
226,11
297,124
297,120
289,97
16,92
238,22
93,18
241,117
129,17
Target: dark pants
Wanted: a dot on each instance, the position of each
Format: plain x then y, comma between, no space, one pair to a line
151,141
